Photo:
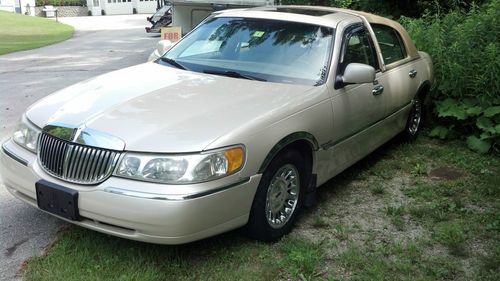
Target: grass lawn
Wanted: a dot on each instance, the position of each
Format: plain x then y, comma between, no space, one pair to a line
20,32
423,211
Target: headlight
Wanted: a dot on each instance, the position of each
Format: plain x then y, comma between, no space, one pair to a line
181,169
26,135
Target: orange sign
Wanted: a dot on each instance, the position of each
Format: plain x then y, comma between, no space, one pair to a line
172,33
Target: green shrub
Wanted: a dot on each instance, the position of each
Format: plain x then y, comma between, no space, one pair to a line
334,3
466,54
395,8
61,2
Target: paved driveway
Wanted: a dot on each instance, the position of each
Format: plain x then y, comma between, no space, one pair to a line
100,45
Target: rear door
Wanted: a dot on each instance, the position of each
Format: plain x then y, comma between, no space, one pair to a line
401,78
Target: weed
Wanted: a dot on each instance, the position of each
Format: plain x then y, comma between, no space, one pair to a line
451,235
396,215
419,169
319,222
377,189
301,256
340,232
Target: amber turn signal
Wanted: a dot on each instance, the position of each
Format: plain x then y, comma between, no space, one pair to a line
235,158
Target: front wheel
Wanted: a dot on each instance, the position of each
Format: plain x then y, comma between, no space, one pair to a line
279,197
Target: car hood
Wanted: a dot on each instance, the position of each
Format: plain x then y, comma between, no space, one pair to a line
155,108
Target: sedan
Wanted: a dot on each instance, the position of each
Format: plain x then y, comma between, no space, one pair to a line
236,125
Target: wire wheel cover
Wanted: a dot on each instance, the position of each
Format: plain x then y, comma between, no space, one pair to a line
282,196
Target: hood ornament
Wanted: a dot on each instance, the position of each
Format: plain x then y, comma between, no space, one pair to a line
85,136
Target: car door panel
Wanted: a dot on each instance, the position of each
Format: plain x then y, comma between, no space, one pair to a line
355,107
401,87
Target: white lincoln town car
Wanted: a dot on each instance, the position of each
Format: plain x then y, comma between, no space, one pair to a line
235,125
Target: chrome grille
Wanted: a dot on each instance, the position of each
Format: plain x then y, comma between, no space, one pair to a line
75,162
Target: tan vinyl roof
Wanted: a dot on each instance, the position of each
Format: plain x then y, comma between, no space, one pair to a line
374,19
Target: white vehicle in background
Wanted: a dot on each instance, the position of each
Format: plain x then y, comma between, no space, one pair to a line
189,13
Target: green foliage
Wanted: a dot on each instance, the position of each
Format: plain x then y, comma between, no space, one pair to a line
333,3
61,2
476,144
465,50
451,235
394,8
302,257
440,132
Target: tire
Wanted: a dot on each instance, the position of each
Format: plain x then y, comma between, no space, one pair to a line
278,183
414,122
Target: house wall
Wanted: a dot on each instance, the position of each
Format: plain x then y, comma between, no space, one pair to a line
145,6
125,7
26,7
117,7
7,5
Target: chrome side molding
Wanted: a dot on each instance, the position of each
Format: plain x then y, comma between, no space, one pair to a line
157,196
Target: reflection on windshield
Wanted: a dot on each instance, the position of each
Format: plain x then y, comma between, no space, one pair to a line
270,50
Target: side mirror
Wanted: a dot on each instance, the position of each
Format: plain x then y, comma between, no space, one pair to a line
163,46
358,73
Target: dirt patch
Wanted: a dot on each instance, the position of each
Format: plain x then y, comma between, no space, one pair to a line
445,173
349,214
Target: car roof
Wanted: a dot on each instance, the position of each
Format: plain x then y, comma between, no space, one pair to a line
306,14
325,16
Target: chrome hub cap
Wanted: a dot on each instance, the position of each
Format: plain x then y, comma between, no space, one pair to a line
282,196
415,117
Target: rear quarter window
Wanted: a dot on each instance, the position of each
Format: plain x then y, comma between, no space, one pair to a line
390,42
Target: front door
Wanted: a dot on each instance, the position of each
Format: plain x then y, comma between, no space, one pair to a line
357,107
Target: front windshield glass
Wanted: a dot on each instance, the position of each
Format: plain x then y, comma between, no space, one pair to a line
267,50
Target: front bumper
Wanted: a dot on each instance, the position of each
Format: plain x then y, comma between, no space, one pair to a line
137,210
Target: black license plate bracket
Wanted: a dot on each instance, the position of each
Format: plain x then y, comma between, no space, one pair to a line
57,200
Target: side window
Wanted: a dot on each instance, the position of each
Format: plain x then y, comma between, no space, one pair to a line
391,44
359,49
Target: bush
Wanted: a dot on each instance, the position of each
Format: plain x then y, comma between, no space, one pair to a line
465,50
82,3
395,8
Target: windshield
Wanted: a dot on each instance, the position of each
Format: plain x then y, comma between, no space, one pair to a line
267,50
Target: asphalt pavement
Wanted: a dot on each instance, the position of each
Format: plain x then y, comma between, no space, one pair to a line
100,45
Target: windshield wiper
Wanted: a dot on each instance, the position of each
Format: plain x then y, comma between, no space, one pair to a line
233,74
173,62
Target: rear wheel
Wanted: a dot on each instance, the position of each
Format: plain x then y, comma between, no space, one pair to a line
414,122
279,197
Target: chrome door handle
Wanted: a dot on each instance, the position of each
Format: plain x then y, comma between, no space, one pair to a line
378,90
413,73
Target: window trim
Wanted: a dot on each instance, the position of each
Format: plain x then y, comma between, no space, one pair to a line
402,43
348,32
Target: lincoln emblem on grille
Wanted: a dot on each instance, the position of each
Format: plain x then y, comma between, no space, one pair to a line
78,154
